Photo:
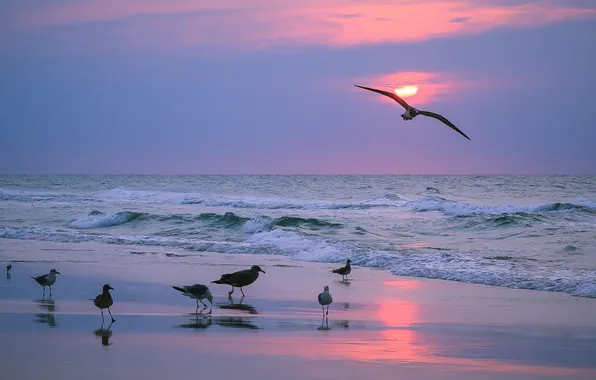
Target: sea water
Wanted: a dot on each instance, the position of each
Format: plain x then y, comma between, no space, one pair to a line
528,232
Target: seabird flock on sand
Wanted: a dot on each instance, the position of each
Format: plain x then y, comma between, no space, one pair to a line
198,292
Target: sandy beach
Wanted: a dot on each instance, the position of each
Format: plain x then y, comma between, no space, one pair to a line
380,326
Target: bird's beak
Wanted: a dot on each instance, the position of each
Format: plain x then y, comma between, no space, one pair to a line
263,271
58,272
111,288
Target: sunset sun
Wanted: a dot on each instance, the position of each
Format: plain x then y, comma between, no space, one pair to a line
406,91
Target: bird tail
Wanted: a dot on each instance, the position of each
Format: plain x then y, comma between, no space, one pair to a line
179,289
222,279
335,271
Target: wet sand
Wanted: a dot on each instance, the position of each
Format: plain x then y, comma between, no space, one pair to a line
380,326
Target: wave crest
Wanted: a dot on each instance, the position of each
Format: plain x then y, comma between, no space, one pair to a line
97,219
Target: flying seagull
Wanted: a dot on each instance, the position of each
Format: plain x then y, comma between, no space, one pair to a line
344,271
240,278
412,112
325,299
105,301
198,292
47,280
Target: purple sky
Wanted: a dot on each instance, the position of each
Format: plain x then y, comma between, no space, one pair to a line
266,86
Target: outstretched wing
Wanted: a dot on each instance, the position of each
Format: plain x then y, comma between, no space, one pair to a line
392,95
444,120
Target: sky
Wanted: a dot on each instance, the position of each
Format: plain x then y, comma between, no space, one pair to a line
267,86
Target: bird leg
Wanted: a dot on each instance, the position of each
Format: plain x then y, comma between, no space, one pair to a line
323,308
50,290
327,313
197,310
242,291
204,304
101,317
113,320
44,292
230,292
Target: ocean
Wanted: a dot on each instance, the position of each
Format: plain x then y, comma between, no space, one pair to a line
526,232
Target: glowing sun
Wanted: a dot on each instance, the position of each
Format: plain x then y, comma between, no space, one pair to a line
406,91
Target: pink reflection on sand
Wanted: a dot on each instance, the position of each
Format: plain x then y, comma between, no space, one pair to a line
269,23
398,343
403,284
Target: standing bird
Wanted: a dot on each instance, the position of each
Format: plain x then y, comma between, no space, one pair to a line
344,271
325,299
8,268
412,112
47,280
198,292
240,278
104,301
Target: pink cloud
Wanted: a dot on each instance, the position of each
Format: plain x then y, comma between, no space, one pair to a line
269,23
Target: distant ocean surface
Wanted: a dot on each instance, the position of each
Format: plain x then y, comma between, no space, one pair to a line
528,232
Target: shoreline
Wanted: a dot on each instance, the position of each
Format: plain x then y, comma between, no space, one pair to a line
379,324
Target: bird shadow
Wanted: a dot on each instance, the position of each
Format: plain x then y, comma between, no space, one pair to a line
104,334
8,276
239,306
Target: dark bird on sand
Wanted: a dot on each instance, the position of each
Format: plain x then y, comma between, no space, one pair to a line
198,292
412,112
344,271
240,278
105,301
8,268
47,280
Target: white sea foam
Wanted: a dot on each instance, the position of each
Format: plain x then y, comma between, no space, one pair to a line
98,220
448,265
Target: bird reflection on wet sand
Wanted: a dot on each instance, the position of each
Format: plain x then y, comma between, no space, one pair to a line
239,306
201,321
49,318
345,282
324,325
237,322
104,334
344,324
